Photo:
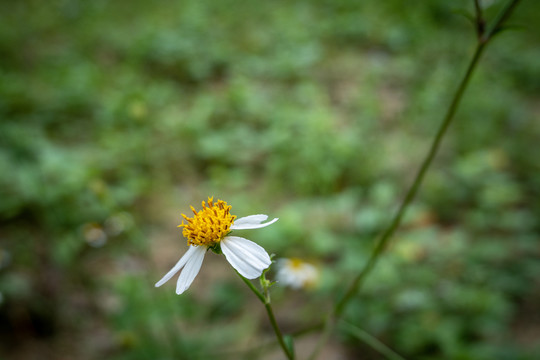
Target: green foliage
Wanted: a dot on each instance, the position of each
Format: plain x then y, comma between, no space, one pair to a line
318,112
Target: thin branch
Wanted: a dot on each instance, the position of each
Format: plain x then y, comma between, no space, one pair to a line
265,299
411,193
480,22
501,18
384,239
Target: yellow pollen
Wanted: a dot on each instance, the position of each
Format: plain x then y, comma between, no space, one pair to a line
209,225
295,263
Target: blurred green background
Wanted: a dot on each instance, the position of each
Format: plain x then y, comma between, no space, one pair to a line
115,116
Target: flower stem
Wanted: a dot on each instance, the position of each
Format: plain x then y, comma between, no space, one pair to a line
396,221
253,288
483,39
394,224
265,299
277,331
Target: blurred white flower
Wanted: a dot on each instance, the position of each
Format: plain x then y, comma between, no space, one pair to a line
209,229
296,273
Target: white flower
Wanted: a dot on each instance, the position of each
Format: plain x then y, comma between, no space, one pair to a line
209,229
296,273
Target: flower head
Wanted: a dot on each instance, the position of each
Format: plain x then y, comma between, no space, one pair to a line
209,225
209,228
296,273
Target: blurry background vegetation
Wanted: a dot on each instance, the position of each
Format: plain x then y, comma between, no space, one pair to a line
116,115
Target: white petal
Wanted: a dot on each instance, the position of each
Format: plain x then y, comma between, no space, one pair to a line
248,258
251,222
179,265
191,270
251,219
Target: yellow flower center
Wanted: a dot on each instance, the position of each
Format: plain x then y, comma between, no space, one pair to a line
210,225
295,263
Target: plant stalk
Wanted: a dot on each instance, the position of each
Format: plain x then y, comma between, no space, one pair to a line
483,39
265,299
385,237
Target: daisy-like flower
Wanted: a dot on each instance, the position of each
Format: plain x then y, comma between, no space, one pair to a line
209,228
296,273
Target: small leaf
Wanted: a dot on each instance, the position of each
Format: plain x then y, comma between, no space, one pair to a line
289,343
216,249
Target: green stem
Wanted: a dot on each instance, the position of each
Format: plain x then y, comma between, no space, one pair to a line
382,243
265,299
277,331
501,18
480,23
253,288
396,221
